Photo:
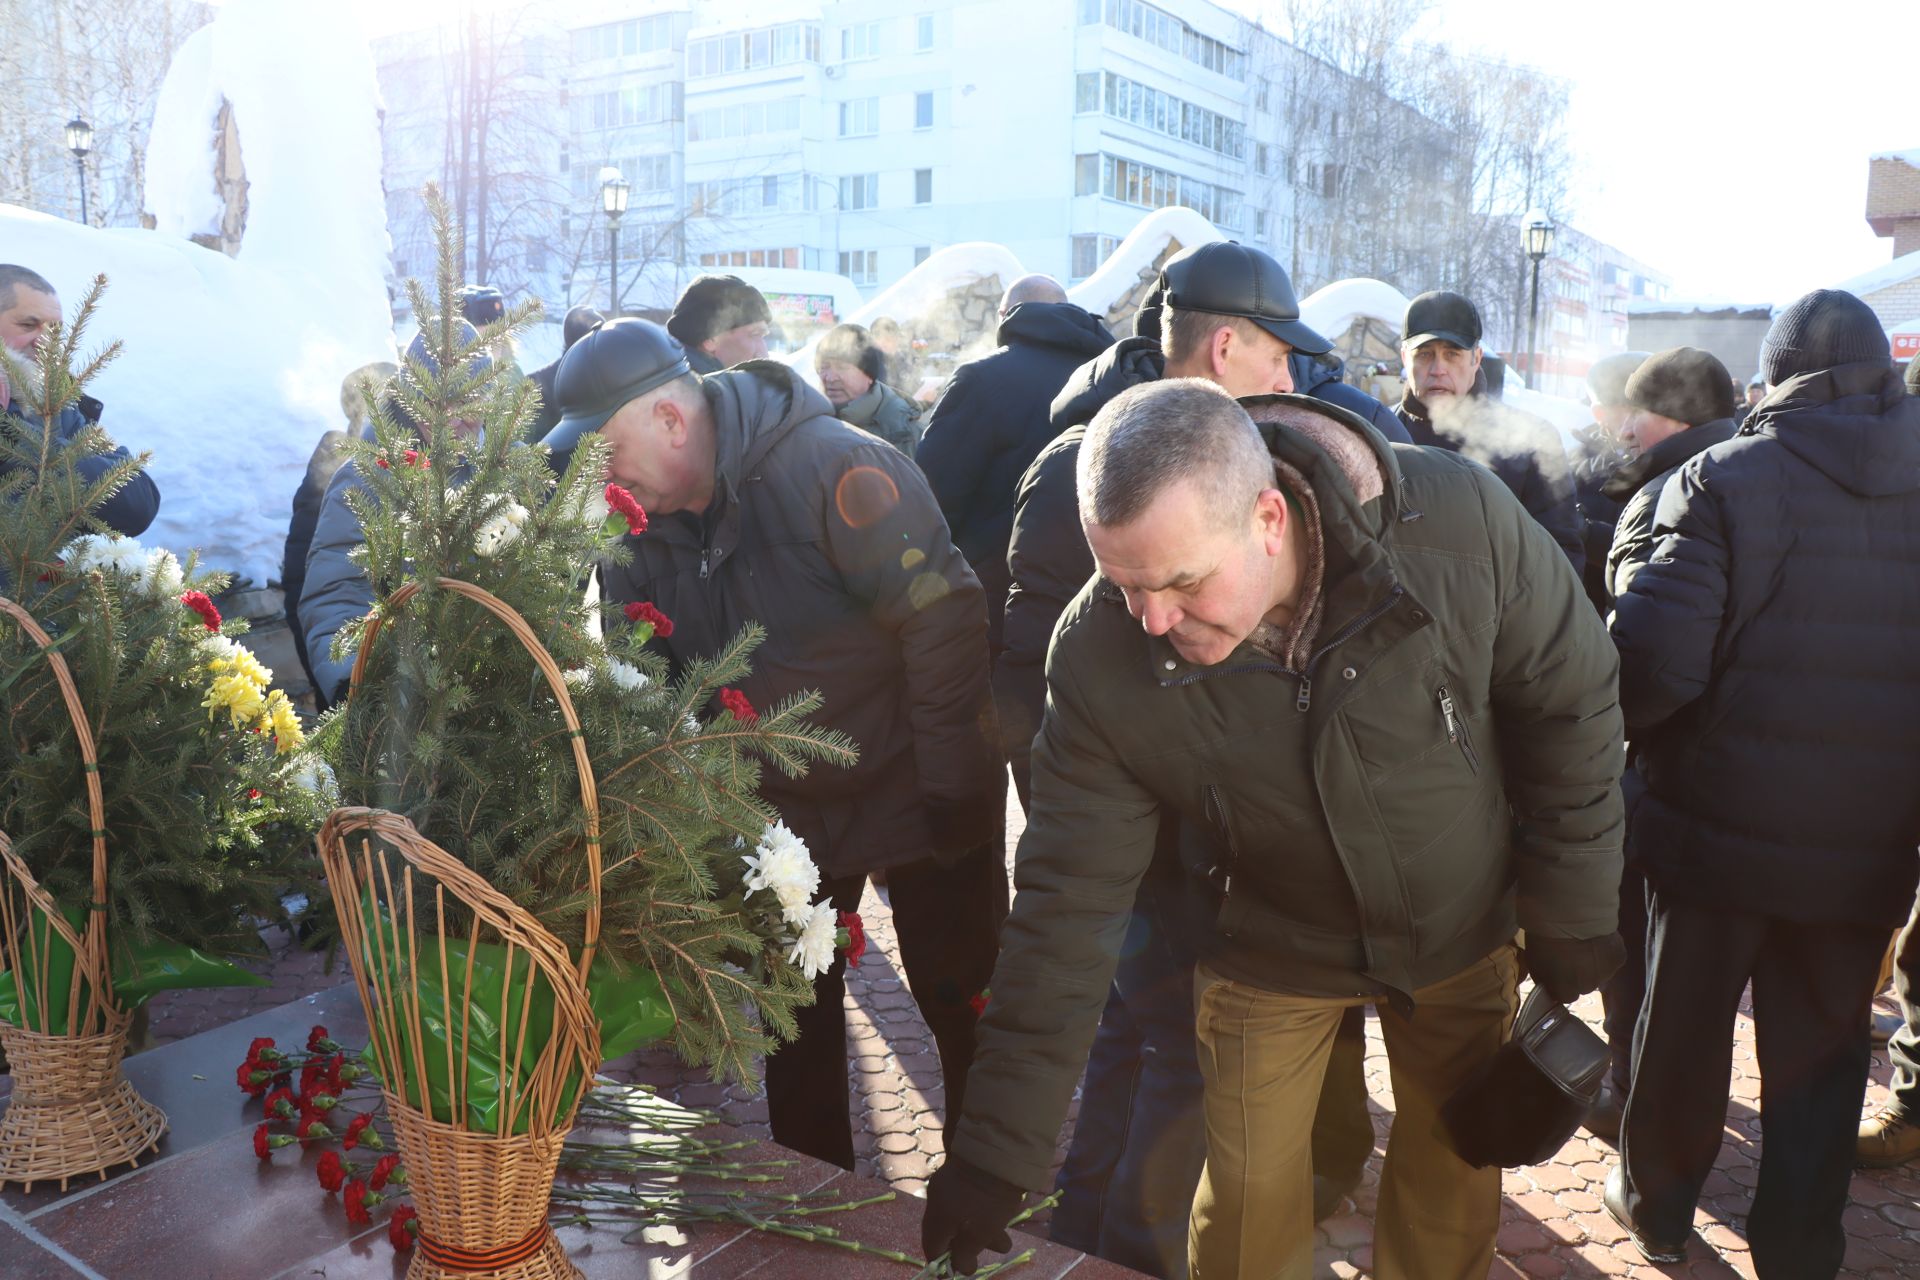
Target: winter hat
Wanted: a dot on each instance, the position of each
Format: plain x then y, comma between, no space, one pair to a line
1607,379
482,304
714,304
1686,384
579,322
464,336
1825,329
1913,376
851,344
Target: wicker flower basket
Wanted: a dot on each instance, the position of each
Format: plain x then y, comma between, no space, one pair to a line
481,1175
72,1113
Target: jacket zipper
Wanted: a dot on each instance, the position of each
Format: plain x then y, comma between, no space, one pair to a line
1218,805
1457,729
1304,701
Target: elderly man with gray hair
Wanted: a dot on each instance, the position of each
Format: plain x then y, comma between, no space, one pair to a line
1374,679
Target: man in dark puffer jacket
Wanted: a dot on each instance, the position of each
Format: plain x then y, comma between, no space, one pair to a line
1768,681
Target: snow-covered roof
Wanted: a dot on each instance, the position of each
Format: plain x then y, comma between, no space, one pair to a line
1905,326
1899,271
1121,271
1692,306
1905,157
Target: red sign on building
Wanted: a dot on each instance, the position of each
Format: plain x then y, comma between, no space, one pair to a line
1906,345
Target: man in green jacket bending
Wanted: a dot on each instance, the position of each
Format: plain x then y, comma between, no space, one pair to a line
1373,679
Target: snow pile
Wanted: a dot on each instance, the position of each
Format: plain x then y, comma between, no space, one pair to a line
1119,274
927,285
232,366
1331,311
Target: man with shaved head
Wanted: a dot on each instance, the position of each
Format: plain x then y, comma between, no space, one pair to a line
993,421
29,310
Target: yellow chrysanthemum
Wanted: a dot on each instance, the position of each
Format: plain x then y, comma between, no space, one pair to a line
233,659
283,723
239,697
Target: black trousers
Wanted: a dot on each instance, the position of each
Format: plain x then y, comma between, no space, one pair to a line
948,922
1625,990
1812,985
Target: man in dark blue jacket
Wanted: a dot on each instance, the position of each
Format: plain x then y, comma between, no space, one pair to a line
994,419
29,308
1768,683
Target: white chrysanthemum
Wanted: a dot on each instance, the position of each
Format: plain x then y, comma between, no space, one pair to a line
499,531
164,575
316,776
626,675
813,949
782,867
579,678
107,554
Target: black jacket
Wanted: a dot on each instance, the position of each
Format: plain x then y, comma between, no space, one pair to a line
127,512
1595,459
1524,451
549,415
328,457
830,538
1321,378
1635,487
990,425
1767,660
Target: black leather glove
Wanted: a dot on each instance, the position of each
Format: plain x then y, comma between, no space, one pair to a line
967,1210
958,827
1568,968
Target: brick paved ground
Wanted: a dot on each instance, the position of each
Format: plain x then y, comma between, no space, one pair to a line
1552,1223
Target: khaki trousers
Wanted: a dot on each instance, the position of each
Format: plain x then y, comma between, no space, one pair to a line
1263,1055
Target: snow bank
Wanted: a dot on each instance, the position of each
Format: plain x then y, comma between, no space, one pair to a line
1331,311
1141,249
232,366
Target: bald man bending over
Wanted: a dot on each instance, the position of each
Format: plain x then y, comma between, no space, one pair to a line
992,422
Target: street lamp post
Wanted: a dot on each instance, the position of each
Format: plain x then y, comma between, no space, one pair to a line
80,142
613,199
1536,237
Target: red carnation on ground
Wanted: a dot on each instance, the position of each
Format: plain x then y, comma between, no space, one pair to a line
856,935
356,1130
281,1103
261,1147
402,1227
644,611
319,1042
625,504
736,702
253,1078
357,1200
387,1169
200,604
318,1103
312,1128
331,1171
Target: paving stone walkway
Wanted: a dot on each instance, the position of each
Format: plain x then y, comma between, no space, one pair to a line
1552,1223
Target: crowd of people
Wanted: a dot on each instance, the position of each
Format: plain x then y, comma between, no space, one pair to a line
1316,707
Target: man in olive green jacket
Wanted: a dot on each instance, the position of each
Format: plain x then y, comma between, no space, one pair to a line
1374,679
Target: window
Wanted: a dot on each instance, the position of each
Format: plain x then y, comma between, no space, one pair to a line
1263,94
642,104
750,50
649,175
923,186
861,191
621,39
862,40
1151,187
921,253
1260,224
1089,251
565,166
770,191
923,32
862,266
1262,163
1086,175
1165,31
1140,104
744,120
923,111
860,118
1086,91
789,258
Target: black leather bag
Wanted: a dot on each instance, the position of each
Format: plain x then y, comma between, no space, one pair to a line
1523,1105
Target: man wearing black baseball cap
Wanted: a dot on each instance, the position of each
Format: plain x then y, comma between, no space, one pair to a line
1447,405
767,508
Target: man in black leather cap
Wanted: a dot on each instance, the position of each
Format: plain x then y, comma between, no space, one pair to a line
766,508
1448,403
578,322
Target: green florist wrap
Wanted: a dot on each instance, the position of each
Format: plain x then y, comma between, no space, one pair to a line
510,1001
141,970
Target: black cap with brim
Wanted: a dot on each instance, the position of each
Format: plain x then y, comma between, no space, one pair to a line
1460,340
614,364
1226,278
1295,334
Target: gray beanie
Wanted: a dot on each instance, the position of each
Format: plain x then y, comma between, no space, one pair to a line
1825,329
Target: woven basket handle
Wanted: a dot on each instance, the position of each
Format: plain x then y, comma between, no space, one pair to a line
589,792
90,959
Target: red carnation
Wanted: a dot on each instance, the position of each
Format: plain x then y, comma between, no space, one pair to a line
252,1078
318,1103
331,1171
335,1065
414,458
856,935
261,1049
381,462
625,504
281,1103
253,793
979,1003
644,611
357,1200
200,604
736,702
354,1130
386,1169
318,1042
260,1144
402,1227
312,1128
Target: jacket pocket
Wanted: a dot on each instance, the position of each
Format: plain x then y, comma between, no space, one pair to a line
1459,733
1220,823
